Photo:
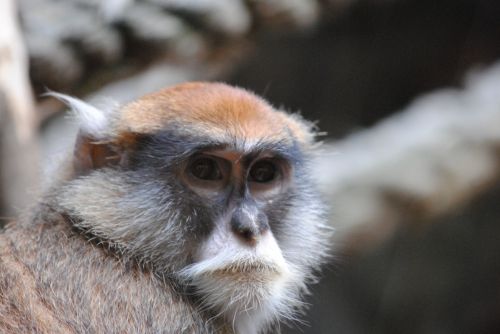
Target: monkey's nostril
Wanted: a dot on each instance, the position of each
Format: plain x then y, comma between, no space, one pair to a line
248,234
245,230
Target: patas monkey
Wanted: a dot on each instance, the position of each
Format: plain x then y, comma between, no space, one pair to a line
190,210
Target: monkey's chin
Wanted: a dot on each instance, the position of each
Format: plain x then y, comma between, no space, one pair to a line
235,285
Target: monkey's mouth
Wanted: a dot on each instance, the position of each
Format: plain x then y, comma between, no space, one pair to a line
257,270
254,268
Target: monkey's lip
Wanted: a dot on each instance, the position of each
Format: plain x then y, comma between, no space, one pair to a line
257,269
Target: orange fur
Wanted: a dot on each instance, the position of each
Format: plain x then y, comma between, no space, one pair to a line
213,109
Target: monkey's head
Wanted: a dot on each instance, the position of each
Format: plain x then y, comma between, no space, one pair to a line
206,184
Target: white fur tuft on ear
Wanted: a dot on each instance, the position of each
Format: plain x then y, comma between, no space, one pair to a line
93,122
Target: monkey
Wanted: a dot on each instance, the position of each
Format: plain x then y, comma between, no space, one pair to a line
189,210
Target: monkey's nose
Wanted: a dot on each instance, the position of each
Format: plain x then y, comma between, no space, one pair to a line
246,233
249,227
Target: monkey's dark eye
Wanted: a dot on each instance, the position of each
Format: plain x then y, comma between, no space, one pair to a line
205,168
263,171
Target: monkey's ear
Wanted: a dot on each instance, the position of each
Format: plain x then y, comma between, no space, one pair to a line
93,148
91,153
93,122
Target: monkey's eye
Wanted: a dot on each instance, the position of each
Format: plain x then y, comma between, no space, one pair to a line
205,168
263,171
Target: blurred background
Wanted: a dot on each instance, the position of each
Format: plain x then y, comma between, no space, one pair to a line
405,92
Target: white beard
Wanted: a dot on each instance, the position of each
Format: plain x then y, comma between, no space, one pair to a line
251,286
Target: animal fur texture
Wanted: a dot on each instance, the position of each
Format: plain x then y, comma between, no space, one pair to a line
125,242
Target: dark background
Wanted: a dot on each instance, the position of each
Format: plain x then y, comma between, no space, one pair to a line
374,59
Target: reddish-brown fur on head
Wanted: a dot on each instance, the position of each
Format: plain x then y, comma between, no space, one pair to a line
213,109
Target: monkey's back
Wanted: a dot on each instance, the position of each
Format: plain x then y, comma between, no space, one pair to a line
52,280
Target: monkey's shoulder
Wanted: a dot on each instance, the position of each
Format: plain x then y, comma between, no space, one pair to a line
52,280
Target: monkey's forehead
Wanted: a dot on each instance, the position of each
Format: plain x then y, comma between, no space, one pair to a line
212,109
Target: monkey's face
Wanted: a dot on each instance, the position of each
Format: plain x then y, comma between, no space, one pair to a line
210,185
240,257
234,197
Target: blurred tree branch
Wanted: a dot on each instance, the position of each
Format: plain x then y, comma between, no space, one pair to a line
18,123
427,160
